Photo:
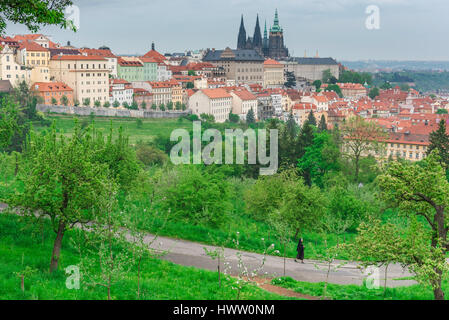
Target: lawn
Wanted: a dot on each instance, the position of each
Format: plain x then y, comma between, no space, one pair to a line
354,292
146,131
20,247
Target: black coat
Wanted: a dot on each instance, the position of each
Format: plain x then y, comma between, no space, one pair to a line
300,250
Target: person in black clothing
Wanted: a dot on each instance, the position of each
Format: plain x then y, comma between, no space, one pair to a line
300,250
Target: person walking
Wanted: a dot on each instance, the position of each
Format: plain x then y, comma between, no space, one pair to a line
300,250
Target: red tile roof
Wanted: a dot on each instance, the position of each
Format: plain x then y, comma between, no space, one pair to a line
77,57
218,93
51,87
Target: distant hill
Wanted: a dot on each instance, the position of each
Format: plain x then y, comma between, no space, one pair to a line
392,65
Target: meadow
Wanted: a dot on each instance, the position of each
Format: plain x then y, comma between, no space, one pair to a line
22,247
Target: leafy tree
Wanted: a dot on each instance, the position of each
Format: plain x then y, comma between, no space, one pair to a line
360,138
320,158
150,155
125,105
250,117
442,111
191,73
183,107
317,84
439,140
134,106
162,107
405,87
63,180
374,92
9,122
190,85
335,88
34,13
97,103
327,75
116,104
170,106
86,102
143,105
154,106
322,126
107,104
386,85
178,105
234,118
348,76
54,101
420,190
64,100
193,195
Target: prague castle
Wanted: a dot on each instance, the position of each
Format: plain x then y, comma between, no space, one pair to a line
270,46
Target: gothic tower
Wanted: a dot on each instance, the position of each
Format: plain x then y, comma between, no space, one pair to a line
257,39
241,42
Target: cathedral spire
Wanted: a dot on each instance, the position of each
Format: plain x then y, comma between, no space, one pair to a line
276,27
241,42
257,39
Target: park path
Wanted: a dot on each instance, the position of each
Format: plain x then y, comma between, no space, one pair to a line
192,254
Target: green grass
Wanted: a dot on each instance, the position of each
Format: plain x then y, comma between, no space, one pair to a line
147,132
161,280
354,292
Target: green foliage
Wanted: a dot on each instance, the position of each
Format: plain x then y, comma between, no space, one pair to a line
311,119
320,158
150,155
195,196
291,79
335,88
34,14
54,101
116,104
317,84
234,118
86,102
64,100
439,140
107,104
442,111
374,92
97,103
348,76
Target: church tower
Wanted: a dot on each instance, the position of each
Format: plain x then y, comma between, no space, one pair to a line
241,42
257,39
277,49
265,40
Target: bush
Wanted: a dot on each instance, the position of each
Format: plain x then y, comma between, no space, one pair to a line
149,155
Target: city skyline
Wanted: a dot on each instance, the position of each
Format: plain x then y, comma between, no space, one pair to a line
333,29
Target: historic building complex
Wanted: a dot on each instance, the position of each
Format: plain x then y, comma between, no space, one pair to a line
270,46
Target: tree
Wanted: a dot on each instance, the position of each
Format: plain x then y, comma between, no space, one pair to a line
335,88
64,100
291,79
183,107
360,138
107,104
143,105
420,190
374,92
302,206
317,84
86,102
9,122
327,75
439,140
320,158
178,105
190,85
97,103
322,126
311,119
234,118
162,107
62,180
54,101
191,73
154,106
442,111
134,105
116,104
250,117
170,106
34,13
125,105
386,85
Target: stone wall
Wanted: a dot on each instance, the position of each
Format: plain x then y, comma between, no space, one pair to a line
111,112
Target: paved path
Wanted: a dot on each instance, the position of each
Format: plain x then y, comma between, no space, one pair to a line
193,254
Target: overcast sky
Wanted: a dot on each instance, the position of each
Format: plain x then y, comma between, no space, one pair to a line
409,29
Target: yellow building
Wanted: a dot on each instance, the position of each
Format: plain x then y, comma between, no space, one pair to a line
273,74
10,69
37,58
88,76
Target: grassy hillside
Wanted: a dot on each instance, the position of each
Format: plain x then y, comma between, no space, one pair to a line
20,247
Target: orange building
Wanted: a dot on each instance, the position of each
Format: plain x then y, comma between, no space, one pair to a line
56,90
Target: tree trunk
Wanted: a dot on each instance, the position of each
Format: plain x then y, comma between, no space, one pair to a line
284,258
16,170
22,283
327,280
219,272
357,169
138,278
385,282
57,247
296,234
438,293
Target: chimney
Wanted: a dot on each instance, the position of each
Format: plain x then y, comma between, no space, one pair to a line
152,46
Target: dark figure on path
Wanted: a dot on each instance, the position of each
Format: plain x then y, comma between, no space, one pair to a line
300,250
